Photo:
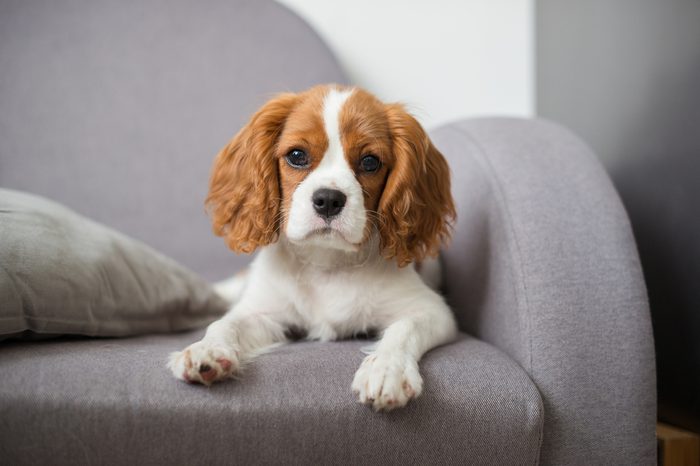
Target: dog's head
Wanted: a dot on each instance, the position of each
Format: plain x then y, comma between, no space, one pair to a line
327,167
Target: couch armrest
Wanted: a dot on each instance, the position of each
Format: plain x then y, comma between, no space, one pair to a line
543,265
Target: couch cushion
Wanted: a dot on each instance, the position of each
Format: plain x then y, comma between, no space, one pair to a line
96,401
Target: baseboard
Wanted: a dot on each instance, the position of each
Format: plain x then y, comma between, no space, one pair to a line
677,447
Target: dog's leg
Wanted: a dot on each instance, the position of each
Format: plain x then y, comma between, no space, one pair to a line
228,343
389,377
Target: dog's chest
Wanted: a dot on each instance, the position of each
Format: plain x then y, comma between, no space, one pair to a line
335,304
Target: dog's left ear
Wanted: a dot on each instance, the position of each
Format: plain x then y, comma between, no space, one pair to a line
416,207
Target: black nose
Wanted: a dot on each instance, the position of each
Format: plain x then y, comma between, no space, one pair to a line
328,202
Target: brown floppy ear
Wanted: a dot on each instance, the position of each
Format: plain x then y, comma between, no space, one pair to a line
416,207
244,192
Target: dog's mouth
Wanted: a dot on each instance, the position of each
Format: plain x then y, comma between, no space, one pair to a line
327,232
328,236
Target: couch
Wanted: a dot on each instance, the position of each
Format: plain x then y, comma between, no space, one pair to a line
116,109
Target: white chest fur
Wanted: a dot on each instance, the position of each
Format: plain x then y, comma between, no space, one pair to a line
331,295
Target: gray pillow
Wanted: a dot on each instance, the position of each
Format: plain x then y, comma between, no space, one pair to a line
61,273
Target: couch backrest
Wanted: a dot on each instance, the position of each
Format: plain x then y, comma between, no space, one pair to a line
117,109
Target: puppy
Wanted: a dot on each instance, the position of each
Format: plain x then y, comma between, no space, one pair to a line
341,193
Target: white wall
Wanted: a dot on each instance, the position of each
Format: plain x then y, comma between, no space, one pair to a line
446,59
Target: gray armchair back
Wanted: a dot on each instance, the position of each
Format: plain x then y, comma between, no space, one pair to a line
121,119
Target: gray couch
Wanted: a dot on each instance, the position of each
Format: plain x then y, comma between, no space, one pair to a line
117,110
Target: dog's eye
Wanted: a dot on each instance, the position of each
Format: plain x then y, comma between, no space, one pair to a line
370,163
297,158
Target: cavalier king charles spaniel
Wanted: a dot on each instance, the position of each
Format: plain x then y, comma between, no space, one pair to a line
343,195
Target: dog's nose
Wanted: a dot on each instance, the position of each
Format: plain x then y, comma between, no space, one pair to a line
328,202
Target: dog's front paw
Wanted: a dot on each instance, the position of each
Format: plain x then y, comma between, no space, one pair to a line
387,381
203,363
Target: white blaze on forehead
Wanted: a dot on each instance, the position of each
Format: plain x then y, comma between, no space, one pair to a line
332,105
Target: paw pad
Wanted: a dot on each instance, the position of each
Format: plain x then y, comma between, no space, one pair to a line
224,363
204,363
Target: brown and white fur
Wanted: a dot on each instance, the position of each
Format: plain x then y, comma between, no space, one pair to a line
332,264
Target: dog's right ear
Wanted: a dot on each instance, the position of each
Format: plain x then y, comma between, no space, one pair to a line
244,193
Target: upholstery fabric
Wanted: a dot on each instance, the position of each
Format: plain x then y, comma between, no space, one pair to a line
291,406
543,265
117,109
61,273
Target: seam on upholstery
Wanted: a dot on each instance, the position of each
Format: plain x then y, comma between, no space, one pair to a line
540,434
514,248
516,253
540,402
